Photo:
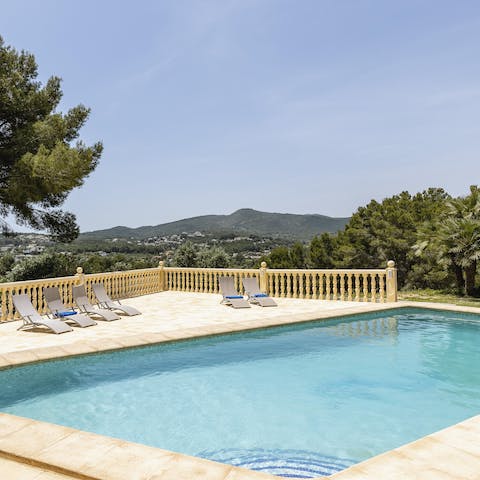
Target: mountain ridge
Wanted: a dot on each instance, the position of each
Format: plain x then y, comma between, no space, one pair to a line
242,221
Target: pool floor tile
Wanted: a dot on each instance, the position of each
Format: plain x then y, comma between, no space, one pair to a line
243,474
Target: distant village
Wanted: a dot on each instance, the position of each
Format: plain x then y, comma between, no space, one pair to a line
249,247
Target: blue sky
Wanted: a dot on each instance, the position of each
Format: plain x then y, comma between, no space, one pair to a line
279,105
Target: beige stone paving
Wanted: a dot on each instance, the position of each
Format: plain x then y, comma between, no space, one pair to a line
42,451
450,454
15,470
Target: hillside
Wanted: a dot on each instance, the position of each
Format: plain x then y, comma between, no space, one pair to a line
243,221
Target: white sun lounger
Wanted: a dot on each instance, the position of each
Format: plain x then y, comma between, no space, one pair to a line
255,295
84,305
104,301
32,319
230,295
60,311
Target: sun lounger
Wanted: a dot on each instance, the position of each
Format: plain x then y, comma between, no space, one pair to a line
255,295
32,319
230,295
60,311
104,301
84,305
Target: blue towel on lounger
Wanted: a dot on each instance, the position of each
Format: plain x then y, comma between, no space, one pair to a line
233,296
260,295
65,314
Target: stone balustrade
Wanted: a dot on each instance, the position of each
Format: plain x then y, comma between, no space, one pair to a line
360,285
204,280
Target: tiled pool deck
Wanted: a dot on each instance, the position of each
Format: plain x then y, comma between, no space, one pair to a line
35,450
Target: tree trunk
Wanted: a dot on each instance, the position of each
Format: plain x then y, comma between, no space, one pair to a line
457,270
470,273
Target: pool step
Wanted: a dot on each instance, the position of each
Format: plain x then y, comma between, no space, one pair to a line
282,463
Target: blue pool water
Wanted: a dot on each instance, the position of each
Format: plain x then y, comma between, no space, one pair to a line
297,401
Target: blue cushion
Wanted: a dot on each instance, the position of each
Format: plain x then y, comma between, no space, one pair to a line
233,296
261,295
65,314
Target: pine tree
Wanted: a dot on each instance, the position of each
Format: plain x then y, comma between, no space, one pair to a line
41,160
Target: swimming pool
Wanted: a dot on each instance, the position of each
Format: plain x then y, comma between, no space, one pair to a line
301,400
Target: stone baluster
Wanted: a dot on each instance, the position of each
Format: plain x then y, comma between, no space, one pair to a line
270,283
342,286
282,285
4,304
275,281
308,278
34,298
319,284
289,285
349,287
330,286
364,287
373,287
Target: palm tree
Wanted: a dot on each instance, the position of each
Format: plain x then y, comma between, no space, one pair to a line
454,239
460,232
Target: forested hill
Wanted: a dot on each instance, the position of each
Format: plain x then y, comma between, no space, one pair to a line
243,221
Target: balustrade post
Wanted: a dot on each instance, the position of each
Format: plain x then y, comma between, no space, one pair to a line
161,276
391,281
80,276
263,282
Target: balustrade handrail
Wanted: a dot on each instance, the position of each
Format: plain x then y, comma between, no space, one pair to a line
38,281
120,272
327,270
220,270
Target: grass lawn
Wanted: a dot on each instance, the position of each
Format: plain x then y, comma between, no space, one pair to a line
438,297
